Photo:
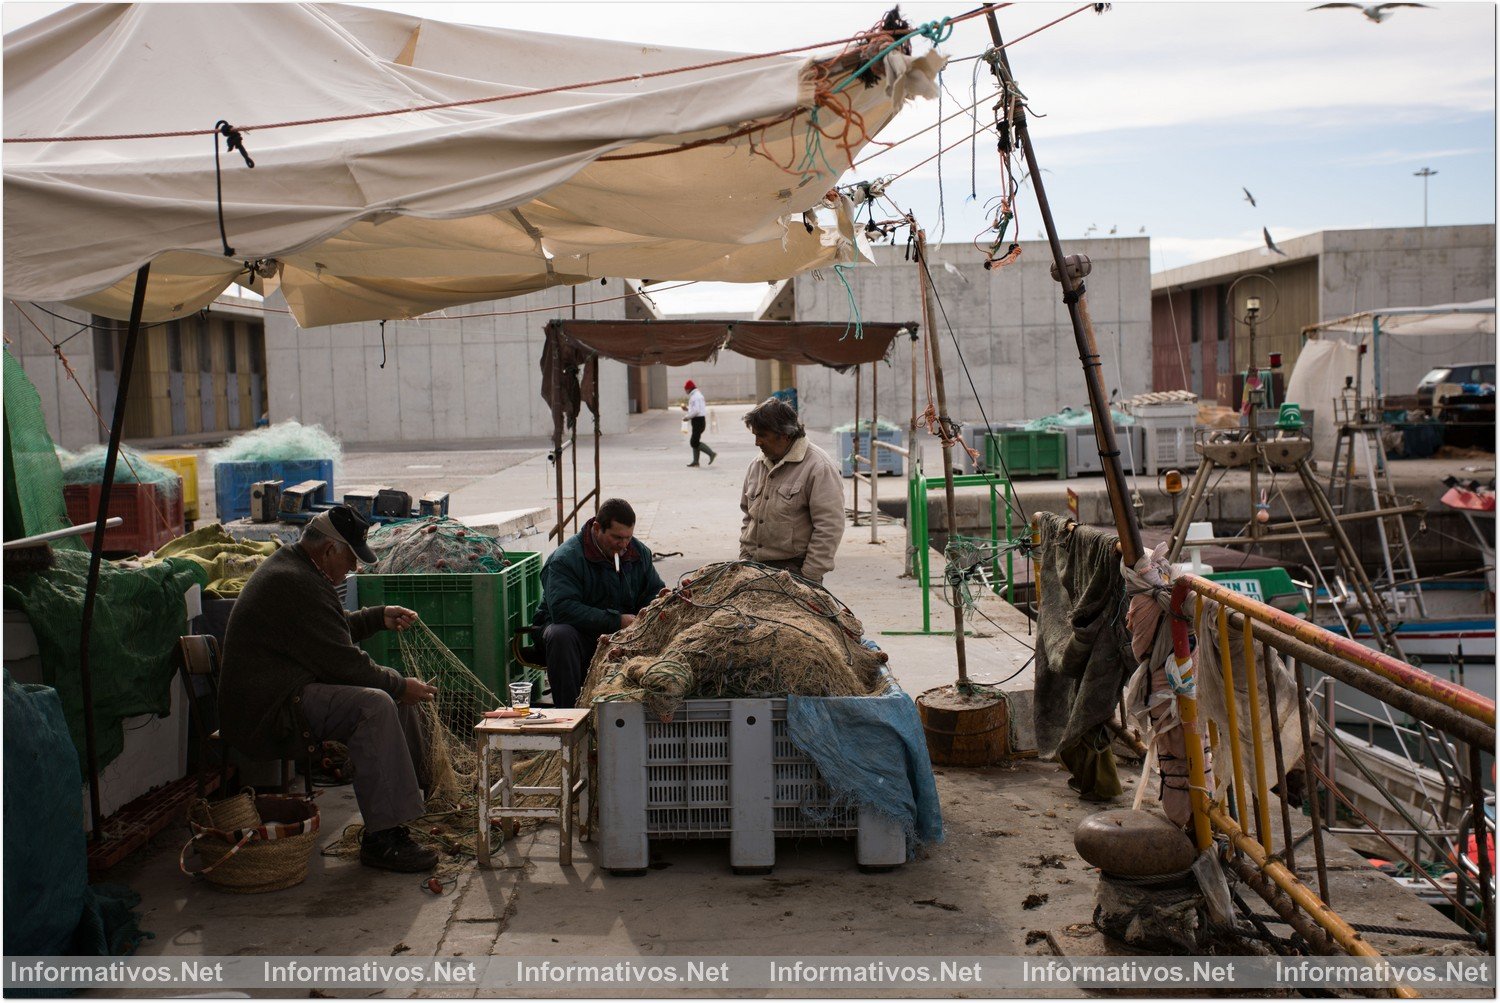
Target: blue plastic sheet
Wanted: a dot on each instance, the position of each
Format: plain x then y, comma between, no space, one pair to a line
871,751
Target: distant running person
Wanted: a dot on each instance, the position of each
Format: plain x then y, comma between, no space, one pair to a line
697,413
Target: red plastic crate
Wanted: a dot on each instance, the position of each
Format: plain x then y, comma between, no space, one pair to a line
151,519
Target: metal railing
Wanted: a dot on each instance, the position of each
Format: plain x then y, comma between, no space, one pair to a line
1240,808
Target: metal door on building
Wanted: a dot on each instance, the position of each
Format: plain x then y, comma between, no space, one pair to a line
232,380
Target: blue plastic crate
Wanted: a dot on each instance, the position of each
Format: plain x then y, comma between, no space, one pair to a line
886,462
232,480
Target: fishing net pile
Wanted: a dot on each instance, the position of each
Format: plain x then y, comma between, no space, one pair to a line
451,823
227,562
433,545
287,440
731,630
87,467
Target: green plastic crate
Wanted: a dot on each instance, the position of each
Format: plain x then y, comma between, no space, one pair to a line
474,615
1027,453
1272,586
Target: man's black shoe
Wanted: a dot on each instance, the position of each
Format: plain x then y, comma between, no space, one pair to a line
393,850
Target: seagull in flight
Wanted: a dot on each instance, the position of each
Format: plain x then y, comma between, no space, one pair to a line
1271,244
1248,197
1375,12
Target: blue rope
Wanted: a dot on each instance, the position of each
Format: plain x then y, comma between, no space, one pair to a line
855,322
937,32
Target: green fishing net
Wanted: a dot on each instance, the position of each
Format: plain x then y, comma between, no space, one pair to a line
138,617
87,467
287,440
33,477
434,544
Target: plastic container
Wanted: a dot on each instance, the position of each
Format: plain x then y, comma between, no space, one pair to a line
1042,453
474,615
232,480
886,462
719,768
186,465
1083,450
151,518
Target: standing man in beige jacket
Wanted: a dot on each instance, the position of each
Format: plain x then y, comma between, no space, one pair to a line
793,498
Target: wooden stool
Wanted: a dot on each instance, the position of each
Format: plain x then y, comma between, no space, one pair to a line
562,730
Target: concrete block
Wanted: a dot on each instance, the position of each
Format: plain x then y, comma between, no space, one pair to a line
446,390
519,403
480,392
443,332
383,399
315,373
414,387
351,414
315,337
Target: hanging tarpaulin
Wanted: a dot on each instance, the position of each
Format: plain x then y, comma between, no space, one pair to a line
684,342
402,165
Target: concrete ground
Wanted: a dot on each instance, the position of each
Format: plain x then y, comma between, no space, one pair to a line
1008,828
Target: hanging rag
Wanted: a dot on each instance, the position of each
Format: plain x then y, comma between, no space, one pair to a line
570,379
1082,653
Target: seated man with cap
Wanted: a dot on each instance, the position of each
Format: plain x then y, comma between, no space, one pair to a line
294,677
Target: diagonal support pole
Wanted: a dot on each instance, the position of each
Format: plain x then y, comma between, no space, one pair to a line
96,549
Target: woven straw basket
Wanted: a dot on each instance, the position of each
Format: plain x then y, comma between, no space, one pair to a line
252,842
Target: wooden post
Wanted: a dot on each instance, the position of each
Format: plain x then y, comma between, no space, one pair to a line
946,431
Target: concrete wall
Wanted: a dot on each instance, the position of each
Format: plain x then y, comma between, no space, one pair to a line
1326,275
729,379
1011,324
70,420
466,376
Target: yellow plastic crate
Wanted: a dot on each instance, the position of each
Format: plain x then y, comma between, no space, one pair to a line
186,465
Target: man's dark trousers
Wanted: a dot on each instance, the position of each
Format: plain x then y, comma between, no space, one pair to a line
566,661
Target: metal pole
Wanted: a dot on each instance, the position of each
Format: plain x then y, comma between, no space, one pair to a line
96,550
557,424
874,453
1480,832
1312,792
853,457
598,481
946,430
1083,331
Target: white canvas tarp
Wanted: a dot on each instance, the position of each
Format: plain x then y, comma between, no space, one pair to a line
1317,382
392,216
1411,341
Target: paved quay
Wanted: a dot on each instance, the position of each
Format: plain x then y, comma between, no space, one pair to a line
1004,882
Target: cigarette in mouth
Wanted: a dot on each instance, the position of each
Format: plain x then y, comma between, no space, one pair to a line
617,562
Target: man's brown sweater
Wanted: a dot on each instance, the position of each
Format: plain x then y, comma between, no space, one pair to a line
287,630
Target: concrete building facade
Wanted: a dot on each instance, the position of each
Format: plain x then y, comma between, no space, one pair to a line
1199,341
1010,324
203,375
468,375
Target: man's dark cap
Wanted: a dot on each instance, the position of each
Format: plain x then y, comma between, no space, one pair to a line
352,527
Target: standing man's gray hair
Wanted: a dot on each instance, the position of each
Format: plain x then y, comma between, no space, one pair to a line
775,417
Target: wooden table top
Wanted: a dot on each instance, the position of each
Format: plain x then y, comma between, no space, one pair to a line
554,721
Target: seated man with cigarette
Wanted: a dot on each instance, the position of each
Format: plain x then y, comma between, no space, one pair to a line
592,585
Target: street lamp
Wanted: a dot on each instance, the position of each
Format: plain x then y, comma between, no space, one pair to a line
1424,174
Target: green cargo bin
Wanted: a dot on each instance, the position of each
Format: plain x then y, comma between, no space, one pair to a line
1041,453
1272,586
474,615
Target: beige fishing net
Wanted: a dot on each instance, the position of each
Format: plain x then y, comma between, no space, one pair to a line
736,629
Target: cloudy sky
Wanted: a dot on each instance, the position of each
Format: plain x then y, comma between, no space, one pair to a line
1152,115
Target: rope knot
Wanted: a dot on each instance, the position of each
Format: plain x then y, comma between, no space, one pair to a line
937,32
234,141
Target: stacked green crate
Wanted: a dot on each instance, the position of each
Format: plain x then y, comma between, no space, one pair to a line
473,615
1027,453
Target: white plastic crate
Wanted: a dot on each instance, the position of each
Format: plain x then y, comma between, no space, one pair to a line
1167,446
719,768
1083,450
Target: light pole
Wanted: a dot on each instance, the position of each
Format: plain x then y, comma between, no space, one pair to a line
1424,174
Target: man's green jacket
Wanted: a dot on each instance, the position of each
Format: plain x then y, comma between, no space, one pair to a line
581,588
